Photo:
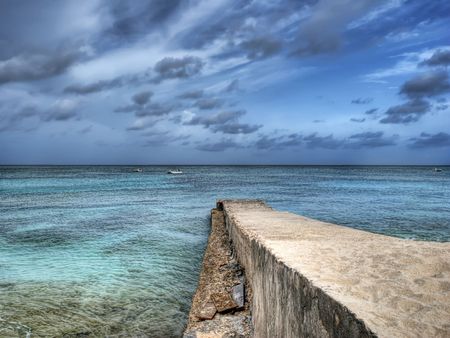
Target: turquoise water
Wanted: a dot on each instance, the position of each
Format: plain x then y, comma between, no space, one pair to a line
97,251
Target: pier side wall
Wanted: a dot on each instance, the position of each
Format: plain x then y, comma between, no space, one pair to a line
286,304
316,279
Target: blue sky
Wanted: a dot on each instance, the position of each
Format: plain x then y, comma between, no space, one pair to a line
225,82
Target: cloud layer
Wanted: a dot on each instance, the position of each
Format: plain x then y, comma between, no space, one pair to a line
276,81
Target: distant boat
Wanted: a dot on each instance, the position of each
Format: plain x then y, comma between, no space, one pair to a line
137,170
175,172
438,170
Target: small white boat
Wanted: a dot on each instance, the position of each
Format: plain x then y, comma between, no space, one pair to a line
438,170
175,172
137,170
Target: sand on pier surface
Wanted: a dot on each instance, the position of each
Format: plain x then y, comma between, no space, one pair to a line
399,288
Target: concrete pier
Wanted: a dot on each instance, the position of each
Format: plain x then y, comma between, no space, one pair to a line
315,279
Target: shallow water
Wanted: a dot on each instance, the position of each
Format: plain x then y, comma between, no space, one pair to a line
101,250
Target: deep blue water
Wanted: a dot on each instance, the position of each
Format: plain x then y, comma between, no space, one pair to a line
101,250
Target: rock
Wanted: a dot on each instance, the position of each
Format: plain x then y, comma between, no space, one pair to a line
238,293
242,279
232,335
209,335
223,302
207,312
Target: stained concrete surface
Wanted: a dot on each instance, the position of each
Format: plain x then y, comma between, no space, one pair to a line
315,279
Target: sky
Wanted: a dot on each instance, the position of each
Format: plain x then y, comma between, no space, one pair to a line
225,82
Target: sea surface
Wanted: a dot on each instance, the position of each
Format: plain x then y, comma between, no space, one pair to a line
103,251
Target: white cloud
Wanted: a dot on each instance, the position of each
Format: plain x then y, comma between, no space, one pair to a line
376,13
406,65
193,15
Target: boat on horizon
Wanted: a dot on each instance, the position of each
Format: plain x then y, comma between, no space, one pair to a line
175,172
137,170
437,170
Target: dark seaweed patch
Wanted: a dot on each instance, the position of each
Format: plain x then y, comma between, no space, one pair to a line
44,237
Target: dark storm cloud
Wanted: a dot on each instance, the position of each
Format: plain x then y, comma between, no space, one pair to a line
217,119
442,107
142,97
370,140
207,104
61,110
305,27
35,67
232,23
35,43
141,106
322,32
439,58
356,141
59,115
408,112
161,138
371,111
225,122
218,146
154,109
357,120
261,47
83,89
26,112
426,140
192,95
129,80
236,128
240,24
132,19
292,140
45,28
12,121
266,142
178,68
327,142
426,85
362,100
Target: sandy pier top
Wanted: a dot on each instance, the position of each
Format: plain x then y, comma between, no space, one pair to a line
399,288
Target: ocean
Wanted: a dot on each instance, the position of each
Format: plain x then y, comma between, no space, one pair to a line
104,251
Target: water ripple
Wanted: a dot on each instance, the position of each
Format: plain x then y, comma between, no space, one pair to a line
102,251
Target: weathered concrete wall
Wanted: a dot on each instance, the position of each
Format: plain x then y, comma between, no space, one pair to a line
313,279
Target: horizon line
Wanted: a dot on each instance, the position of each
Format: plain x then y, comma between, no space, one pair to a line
228,165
